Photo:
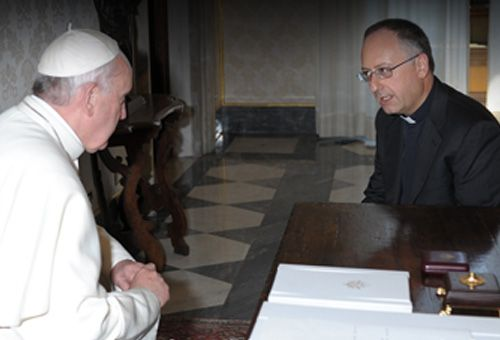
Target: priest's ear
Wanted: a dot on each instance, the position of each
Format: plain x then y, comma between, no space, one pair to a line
422,65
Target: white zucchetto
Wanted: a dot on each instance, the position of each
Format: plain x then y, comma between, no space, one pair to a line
77,52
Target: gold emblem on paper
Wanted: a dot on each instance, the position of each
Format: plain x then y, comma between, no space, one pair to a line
356,284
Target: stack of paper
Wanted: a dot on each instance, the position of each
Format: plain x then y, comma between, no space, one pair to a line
339,287
281,321
316,302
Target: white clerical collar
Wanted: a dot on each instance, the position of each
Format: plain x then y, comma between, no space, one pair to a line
408,119
64,133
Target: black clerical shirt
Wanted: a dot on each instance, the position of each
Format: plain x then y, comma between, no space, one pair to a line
412,129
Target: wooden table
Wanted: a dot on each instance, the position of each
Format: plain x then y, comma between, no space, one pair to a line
150,119
389,237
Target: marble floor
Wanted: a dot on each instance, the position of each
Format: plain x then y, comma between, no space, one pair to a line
238,201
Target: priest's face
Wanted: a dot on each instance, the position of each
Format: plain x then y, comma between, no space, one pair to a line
110,106
397,89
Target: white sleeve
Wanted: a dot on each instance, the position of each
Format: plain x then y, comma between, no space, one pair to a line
81,308
112,252
116,315
116,250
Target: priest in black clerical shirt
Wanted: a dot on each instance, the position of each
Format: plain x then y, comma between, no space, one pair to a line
435,145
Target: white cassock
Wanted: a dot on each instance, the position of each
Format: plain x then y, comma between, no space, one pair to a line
50,251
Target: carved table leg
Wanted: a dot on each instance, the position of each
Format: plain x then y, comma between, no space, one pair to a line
141,228
152,120
132,179
178,228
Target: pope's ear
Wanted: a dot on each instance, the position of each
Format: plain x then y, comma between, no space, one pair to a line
90,93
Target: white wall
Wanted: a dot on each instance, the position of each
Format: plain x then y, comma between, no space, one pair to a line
193,63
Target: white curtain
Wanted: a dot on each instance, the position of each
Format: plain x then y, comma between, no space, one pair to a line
493,94
193,63
344,106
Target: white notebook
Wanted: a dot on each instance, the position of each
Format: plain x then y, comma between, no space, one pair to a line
282,321
340,287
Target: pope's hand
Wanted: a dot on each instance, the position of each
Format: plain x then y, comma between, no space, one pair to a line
147,277
124,272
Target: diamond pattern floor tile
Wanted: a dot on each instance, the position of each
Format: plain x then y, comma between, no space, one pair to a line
228,193
358,174
222,217
177,166
263,145
360,149
245,172
353,194
268,183
206,250
190,291
336,184
228,204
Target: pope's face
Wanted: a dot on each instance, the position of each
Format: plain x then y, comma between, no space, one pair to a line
403,92
110,106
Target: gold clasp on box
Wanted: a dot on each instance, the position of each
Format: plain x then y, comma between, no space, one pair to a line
472,280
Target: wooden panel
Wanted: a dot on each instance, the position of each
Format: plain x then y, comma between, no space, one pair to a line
478,73
478,56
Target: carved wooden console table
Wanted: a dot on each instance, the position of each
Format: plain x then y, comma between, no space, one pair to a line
152,118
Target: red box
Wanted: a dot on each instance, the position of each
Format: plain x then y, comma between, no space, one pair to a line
440,262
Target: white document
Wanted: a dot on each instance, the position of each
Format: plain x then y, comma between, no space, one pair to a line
339,287
282,321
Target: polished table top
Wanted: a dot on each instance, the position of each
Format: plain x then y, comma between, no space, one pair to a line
389,237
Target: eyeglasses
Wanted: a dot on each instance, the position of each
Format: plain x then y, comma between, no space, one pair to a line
382,72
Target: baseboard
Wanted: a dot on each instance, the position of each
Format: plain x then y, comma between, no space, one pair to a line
267,120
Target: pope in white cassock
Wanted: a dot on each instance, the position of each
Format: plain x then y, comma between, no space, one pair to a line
50,247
